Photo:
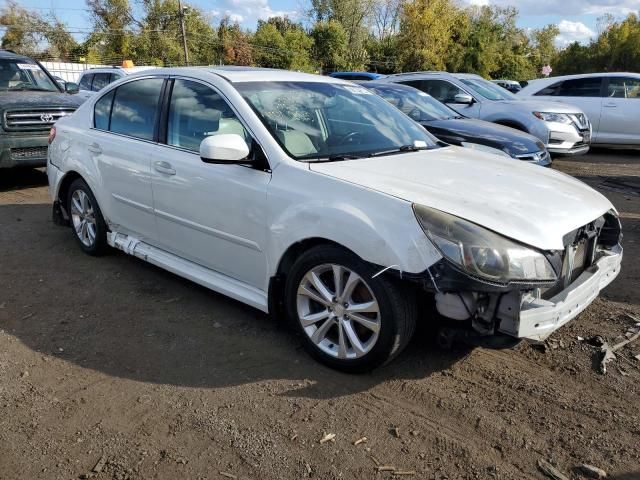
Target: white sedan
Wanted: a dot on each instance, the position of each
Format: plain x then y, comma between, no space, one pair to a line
610,100
313,199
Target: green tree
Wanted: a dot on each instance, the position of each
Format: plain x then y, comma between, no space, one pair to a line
269,47
111,38
427,29
330,45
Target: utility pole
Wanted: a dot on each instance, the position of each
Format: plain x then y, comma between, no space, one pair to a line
184,33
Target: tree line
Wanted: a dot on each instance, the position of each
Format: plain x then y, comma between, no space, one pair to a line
386,36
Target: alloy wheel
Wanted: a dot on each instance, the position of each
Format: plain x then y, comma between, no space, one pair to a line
83,217
338,311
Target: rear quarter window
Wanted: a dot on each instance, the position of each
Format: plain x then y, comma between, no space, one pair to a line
102,111
85,81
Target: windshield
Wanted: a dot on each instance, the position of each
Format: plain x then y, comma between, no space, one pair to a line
488,90
420,106
22,74
331,121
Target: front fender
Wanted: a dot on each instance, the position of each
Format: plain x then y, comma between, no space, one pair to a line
378,228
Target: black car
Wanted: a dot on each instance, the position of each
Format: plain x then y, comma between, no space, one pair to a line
450,127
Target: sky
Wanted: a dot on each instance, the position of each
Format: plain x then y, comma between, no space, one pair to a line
576,19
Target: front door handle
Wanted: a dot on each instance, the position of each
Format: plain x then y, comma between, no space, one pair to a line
164,167
95,148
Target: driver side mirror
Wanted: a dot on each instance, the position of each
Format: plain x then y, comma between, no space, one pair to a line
71,87
224,148
464,99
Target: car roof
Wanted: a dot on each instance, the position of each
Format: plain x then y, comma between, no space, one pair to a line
538,81
235,74
435,73
127,70
11,54
357,74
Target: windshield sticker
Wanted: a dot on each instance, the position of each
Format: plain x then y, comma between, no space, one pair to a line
28,66
358,90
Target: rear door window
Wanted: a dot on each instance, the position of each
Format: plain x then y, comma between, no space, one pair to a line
439,89
623,87
102,111
100,80
135,106
85,81
578,87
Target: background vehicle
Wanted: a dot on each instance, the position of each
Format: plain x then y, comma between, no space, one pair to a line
31,101
94,79
451,127
511,85
611,100
564,129
355,76
312,197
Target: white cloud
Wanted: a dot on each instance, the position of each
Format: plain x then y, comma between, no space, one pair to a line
566,7
573,32
248,12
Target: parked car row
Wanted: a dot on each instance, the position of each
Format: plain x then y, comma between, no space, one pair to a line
316,200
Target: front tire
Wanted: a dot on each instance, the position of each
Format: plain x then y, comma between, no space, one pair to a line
87,223
347,319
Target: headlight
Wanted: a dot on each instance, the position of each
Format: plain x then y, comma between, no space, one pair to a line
484,148
553,117
482,252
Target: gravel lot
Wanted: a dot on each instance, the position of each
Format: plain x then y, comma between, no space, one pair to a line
113,365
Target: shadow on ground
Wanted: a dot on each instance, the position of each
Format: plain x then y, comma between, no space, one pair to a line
126,318
21,178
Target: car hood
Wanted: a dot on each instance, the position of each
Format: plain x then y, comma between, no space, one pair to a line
541,106
513,141
535,206
25,100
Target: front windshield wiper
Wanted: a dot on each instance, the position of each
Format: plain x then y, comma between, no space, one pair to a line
402,149
333,158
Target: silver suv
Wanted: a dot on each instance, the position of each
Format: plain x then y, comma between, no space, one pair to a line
95,79
563,128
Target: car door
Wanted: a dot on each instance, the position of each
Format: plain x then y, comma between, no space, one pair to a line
211,214
585,93
620,122
122,142
446,91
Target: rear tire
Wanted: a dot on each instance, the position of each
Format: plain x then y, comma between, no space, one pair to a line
347,319
87,223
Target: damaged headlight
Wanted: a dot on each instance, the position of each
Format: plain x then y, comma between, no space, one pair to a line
482,252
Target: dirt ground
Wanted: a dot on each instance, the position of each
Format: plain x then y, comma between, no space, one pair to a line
113,365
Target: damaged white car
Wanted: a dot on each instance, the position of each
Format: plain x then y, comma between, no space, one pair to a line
313,199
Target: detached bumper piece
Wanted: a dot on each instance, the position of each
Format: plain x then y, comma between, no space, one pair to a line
537,318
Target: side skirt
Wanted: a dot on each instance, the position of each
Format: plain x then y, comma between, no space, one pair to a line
196,273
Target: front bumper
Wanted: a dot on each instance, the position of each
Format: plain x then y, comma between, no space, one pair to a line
539,318
27,150
568,139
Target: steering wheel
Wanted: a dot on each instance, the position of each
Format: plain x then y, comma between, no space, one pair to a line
349,138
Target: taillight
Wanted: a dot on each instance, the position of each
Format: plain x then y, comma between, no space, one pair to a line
52,135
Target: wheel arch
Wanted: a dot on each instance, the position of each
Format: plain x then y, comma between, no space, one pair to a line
63,189
513,124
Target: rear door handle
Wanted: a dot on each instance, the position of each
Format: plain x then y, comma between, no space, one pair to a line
610,105
95,148
164,167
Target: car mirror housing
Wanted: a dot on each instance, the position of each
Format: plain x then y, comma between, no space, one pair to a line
464,99
71,87
224,148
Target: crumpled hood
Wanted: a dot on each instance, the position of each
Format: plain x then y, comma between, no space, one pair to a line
543,106
528,203
24,100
